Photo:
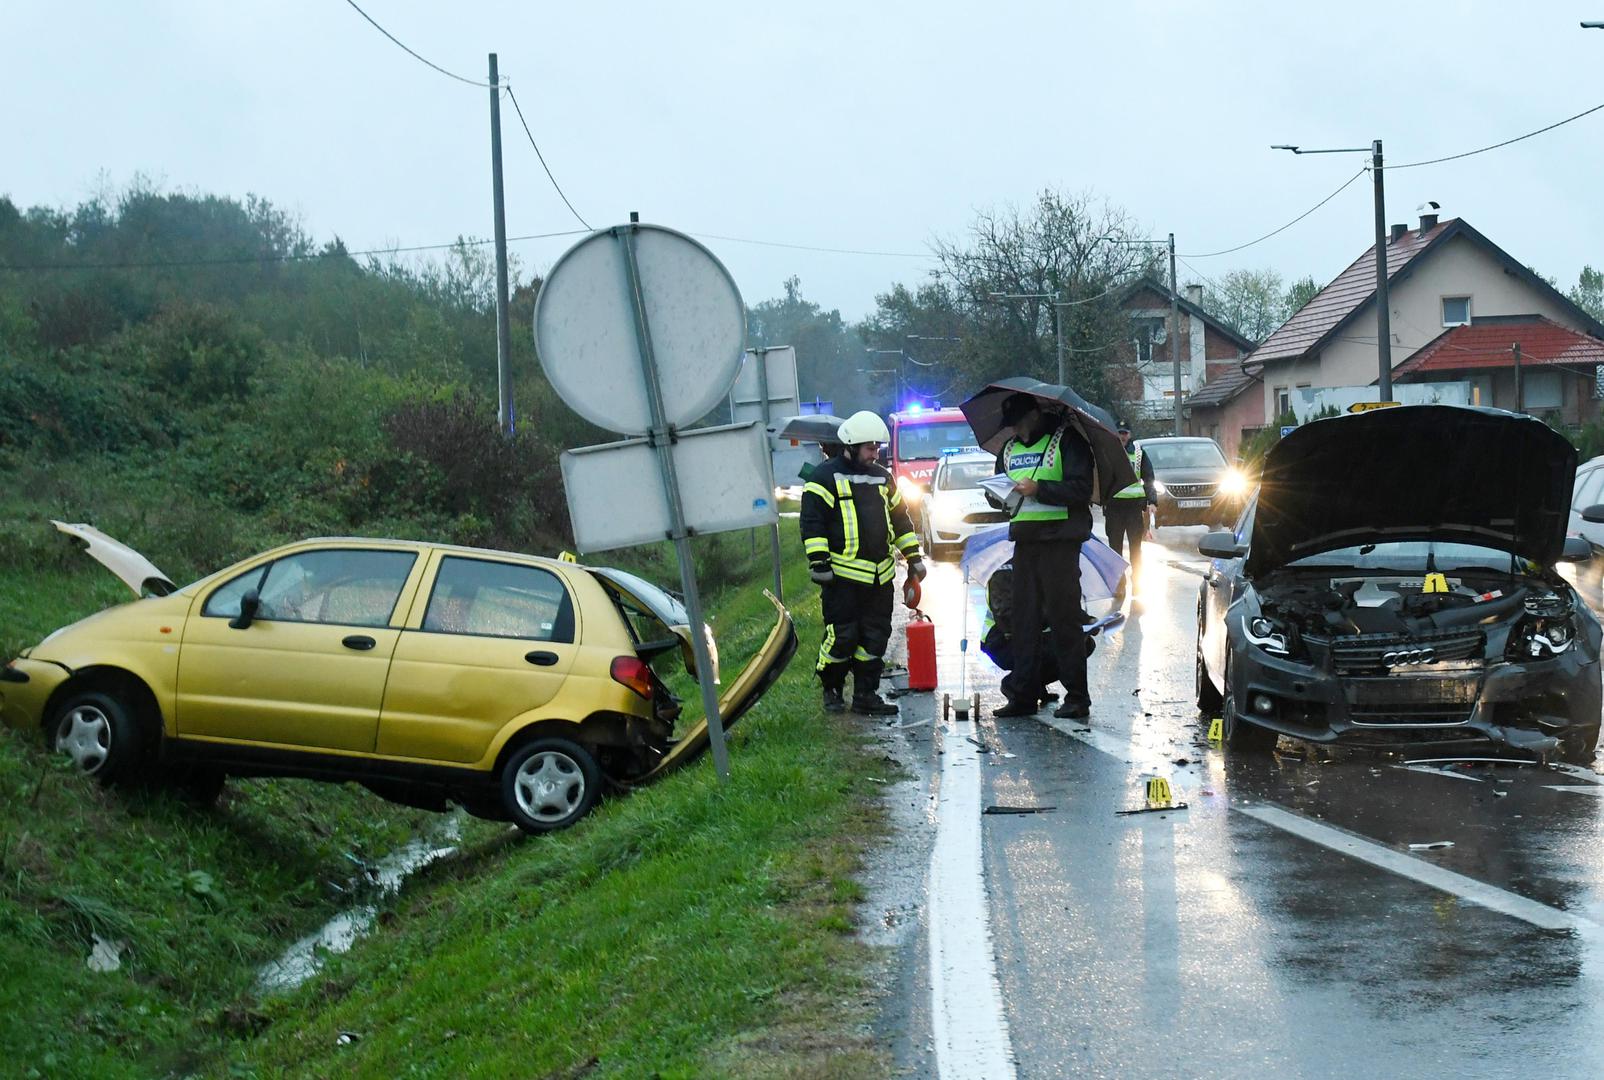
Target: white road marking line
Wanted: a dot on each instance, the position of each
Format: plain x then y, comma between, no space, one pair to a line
1426,873
967,1019
1466,888
1578,789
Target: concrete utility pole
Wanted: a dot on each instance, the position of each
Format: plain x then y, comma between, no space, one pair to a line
1175,337
504,410
1520,388
1383,295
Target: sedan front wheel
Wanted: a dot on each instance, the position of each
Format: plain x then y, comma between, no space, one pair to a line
549,784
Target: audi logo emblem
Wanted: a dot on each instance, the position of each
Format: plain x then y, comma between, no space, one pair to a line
1406,657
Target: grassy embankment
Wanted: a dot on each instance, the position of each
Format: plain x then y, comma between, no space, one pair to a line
691,929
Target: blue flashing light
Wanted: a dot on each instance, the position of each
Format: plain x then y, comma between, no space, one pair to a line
915,408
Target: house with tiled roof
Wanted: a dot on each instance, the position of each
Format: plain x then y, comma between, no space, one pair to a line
1459,304
1209,349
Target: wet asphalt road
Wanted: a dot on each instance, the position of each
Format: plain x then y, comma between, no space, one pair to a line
1278,926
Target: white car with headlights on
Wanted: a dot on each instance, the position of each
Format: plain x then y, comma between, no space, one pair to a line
956,507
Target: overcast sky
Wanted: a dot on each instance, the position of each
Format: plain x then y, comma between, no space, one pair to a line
854,125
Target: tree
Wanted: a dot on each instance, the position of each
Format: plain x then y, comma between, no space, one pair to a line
999,279
1588,293
1300,292
1253,301
829,354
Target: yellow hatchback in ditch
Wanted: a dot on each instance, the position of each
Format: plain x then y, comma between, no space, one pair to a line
516,686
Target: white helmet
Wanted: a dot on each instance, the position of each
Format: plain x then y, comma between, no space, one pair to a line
863,427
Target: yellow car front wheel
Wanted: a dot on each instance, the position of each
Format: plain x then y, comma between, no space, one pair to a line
100,733
549,784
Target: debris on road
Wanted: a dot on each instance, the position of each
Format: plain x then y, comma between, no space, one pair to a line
1151,810
1019,809
1435,845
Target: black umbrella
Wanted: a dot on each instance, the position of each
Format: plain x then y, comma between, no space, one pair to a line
984,412
814,427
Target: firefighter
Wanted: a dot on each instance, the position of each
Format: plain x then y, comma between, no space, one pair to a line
1129,515
852,519
1049,516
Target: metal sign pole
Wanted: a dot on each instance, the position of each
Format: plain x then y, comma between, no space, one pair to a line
762,356
661,436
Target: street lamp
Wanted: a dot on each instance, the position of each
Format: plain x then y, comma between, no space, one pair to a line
1383,296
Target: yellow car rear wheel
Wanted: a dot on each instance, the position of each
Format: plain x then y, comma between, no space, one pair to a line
549,784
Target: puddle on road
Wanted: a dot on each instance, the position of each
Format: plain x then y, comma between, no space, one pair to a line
378,883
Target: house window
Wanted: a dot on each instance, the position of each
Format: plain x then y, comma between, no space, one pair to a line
1283,401
1541,390
1456,311
1148,332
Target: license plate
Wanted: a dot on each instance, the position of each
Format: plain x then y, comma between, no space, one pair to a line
1192,504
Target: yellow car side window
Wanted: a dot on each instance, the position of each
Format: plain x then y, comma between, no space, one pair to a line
494,599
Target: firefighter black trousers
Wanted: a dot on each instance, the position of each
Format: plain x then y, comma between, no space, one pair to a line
1126,519
857,628
1047,596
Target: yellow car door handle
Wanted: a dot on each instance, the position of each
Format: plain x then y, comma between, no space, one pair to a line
360,642
541,657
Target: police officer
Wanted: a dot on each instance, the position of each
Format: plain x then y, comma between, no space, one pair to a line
1049,516
852,518
1129,514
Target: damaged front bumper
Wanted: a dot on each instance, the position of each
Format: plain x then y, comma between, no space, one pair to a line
1545,708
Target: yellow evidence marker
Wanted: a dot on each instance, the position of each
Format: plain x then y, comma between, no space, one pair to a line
1158,791
1217,730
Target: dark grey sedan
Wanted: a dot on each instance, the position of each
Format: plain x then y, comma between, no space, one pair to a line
1393,584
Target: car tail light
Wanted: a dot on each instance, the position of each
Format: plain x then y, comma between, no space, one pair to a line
633,672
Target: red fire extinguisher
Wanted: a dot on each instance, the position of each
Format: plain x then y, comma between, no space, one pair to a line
921,640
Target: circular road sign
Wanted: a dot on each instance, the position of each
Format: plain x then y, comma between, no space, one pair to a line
585,329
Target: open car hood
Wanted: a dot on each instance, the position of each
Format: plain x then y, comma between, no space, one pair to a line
1414,472
131,568
760,673
664,608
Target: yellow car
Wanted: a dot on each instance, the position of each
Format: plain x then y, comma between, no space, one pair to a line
514,685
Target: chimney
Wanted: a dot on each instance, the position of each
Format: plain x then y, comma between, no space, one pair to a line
1398,232
1194,295
1428,222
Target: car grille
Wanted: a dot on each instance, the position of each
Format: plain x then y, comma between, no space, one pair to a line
1437,700
1401,654
981,517
1191,491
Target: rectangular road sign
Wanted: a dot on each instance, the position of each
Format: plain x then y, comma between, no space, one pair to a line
615,499
1289,429
1366,406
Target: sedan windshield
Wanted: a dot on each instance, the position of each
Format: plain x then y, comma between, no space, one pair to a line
1411,556
1186,455
969,474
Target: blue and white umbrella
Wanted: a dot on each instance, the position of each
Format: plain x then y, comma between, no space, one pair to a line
1100,568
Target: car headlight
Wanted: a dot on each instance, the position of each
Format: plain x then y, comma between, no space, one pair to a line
1158,486
1233,483
912,491
1264,633
1547,630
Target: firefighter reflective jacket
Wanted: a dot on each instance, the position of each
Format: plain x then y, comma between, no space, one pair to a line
852,516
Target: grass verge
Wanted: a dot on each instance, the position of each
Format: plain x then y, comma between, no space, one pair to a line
691,929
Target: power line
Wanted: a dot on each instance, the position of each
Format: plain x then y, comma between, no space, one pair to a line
1497,145
245,260
514,99
810,247
1284,228
415,56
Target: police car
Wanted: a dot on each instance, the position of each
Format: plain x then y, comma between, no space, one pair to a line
956,507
